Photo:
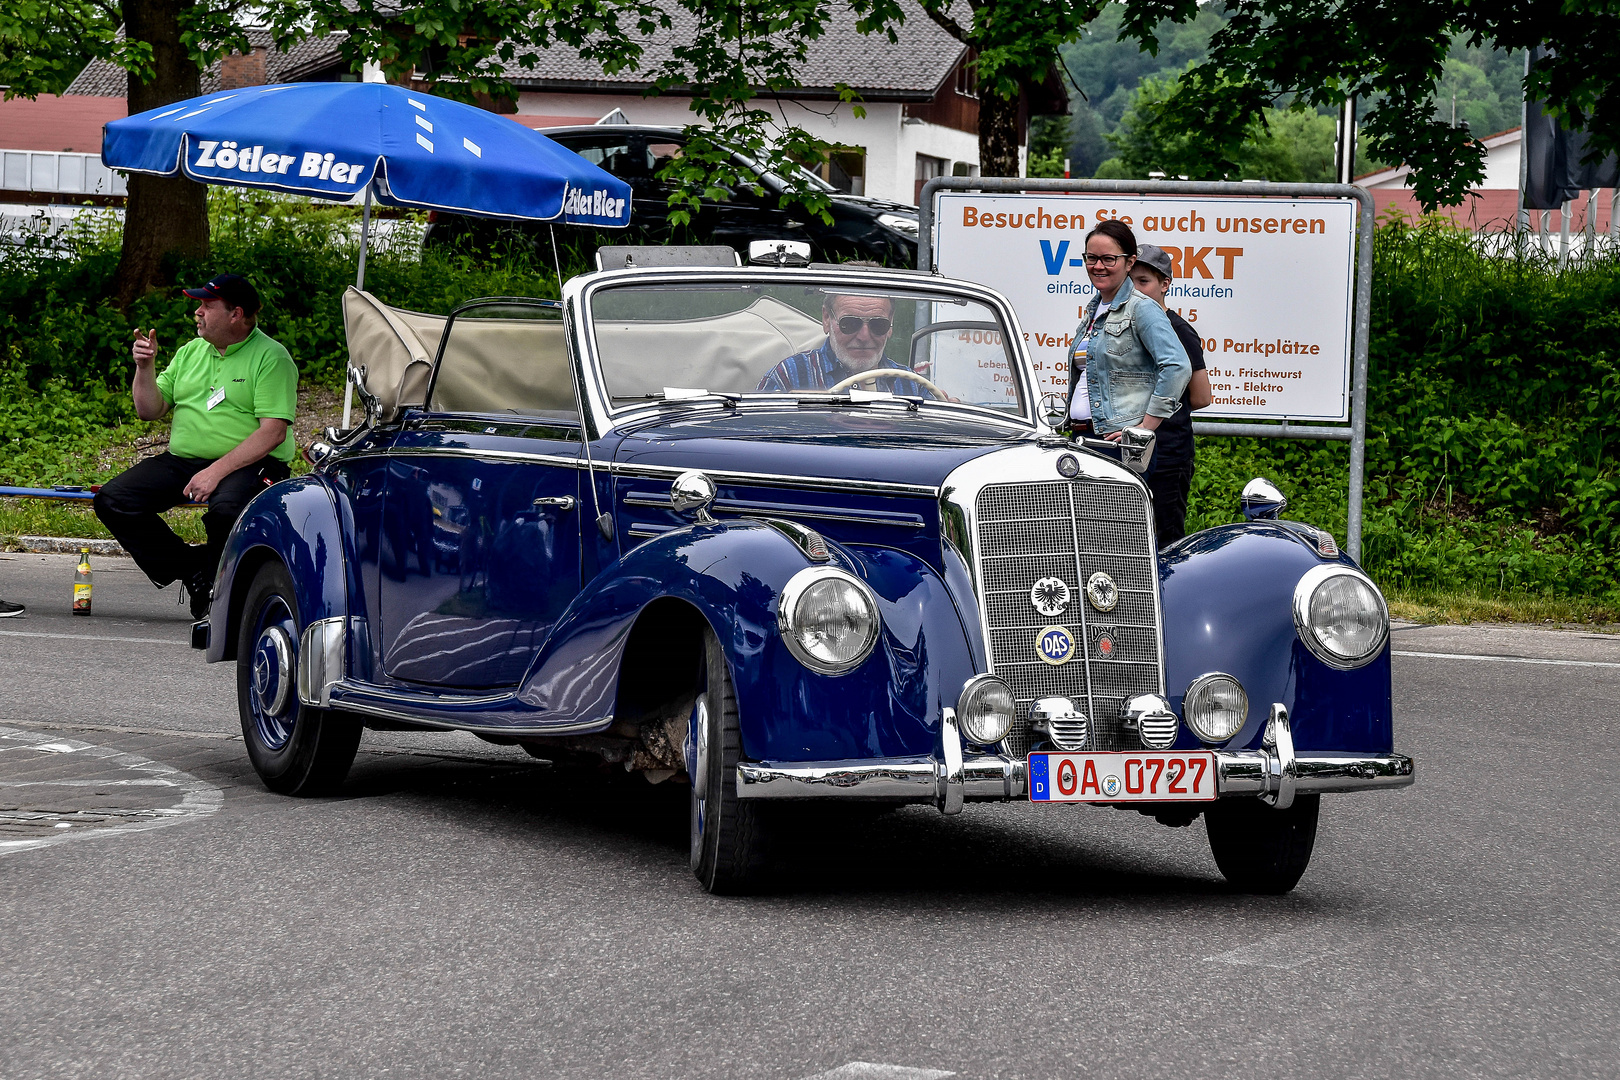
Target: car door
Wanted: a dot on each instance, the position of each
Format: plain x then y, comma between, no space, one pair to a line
480,553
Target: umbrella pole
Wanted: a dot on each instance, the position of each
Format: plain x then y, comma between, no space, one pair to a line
359,283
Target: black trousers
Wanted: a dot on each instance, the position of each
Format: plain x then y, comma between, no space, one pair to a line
129,505
1170,486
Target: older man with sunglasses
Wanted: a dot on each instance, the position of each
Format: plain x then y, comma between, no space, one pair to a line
858,329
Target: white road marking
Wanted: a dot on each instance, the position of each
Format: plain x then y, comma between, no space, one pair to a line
1505,659
200,799
1285,952
91,637
866,1070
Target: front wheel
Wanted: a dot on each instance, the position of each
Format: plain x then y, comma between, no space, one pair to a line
1260,849
728,834
295,749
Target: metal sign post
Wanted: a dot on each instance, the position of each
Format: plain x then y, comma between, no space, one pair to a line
1356,433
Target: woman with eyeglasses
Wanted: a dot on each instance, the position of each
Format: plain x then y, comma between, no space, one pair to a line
1127,367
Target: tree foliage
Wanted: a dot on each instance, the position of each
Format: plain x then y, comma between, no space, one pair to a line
1389,53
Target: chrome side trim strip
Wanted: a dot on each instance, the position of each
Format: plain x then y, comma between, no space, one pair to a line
754,509
879,487
472,452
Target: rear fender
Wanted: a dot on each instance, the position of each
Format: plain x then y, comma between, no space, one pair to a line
296,523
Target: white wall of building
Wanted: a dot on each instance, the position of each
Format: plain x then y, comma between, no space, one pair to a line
891,144
1501,166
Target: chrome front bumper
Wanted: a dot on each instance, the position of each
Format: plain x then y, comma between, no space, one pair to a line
950,778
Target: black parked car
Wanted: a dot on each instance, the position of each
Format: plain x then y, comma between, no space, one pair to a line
862,228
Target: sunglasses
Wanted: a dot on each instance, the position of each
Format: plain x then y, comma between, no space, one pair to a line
877,325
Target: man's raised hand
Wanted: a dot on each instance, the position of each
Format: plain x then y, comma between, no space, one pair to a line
145,349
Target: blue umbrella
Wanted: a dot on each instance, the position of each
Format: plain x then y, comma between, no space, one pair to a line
337,140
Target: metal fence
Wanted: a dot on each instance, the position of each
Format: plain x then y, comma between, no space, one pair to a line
1356,433
67,173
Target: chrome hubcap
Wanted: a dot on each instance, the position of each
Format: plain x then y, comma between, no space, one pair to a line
272,675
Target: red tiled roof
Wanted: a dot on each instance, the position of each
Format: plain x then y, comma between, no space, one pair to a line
57,123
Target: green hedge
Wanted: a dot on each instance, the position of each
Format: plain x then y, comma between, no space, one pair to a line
1493,402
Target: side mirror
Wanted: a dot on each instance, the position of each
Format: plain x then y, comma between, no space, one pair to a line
692,493
1261,501
1136,449
1053,411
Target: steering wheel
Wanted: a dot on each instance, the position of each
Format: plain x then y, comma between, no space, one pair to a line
873,374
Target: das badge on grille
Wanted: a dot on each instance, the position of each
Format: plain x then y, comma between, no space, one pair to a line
1054,645
1050,596
1102,592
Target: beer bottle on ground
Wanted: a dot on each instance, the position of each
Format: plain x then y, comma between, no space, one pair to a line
81,584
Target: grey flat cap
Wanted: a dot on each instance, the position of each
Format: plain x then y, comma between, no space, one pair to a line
1156,257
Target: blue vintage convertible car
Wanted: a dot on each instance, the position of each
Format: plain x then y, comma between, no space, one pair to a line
650,525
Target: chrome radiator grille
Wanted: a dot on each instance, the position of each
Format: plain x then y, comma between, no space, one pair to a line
1070,530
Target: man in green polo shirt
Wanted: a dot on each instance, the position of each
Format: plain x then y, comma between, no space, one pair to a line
234,391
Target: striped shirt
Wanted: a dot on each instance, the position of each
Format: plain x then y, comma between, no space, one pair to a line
819,368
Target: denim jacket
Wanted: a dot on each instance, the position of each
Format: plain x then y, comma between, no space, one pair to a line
1135,364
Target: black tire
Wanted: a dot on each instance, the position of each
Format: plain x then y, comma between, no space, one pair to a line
1260,849
296,750
729,836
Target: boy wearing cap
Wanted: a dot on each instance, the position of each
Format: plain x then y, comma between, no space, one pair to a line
234,391
1170,477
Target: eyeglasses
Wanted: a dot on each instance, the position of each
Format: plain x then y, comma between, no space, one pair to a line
850,325
1105,261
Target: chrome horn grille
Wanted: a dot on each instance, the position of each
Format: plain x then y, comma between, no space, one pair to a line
1057,719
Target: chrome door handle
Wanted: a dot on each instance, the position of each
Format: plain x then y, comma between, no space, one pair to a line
561,502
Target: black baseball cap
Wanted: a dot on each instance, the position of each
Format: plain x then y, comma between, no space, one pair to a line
234,289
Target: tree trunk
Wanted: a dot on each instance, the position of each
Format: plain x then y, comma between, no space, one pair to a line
998,134
163,216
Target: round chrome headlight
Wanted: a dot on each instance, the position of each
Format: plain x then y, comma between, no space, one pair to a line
828,618
1340,616
1215,707
985,710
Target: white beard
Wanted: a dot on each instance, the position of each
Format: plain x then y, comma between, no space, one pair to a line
850,363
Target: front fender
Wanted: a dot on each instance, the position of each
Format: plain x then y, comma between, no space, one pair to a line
1227,596
297,523
733,574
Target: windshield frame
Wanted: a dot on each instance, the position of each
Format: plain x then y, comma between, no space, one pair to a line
580,292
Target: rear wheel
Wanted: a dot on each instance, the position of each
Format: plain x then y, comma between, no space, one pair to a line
1260,849
729,841
295,749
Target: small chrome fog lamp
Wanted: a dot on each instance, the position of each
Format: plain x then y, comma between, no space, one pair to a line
1215,707
828,618
985,710
1340,615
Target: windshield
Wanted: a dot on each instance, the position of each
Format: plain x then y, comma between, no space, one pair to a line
793,340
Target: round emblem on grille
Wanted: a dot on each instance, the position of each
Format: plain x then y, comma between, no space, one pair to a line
1105,646
1068,466
1055,645
1102,592
1110,785
1050,596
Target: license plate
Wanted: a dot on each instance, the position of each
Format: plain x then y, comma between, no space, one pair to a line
1116,777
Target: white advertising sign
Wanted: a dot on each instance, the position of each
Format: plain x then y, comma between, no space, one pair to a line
1266,283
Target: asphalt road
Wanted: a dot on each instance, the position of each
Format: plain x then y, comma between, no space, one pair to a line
463,911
